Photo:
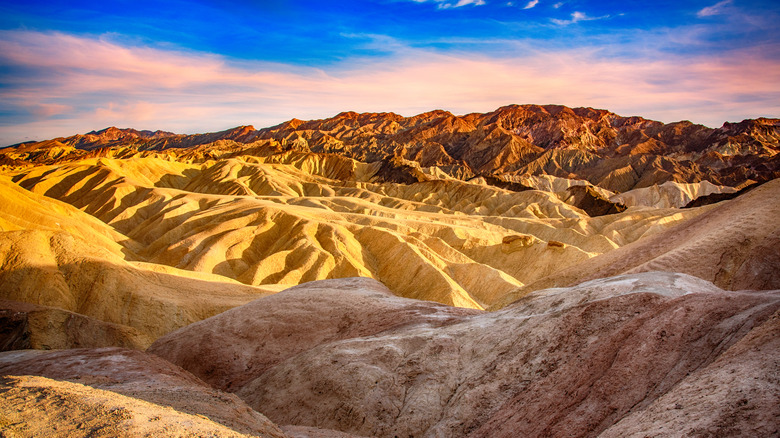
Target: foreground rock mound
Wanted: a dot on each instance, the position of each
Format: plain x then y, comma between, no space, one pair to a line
116,392
252,338
745,395
605,355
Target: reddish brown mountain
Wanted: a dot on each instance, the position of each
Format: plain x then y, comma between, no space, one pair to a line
614,152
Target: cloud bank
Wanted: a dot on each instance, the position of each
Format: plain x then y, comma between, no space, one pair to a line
58,84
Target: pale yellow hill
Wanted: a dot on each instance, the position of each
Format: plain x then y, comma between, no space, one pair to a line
669,194
23,210
52,254
734,244
550,183
287,219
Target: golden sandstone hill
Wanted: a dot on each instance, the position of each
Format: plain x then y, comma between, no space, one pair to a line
534,271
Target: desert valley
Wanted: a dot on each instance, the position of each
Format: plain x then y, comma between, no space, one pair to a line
531,271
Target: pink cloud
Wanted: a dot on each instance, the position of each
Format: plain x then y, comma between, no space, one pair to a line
49,109
90,83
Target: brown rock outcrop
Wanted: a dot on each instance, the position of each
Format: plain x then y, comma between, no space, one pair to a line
516,242
561,362
554,244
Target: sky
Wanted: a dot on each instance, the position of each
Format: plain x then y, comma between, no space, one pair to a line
71,66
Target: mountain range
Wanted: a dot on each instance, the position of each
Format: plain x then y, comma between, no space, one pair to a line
613,152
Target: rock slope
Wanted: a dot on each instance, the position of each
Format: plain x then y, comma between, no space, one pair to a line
606,356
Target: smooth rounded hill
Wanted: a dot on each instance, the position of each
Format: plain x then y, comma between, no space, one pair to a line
255,337
562,362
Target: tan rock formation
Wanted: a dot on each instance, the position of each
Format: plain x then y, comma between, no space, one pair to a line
669,194
116,392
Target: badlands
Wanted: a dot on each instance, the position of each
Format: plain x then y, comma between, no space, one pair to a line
533,271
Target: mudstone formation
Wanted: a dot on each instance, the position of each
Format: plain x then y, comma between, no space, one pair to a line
533,271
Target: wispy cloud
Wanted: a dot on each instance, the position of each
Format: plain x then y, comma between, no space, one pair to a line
531,4
576,17
75,84
716,9
446,4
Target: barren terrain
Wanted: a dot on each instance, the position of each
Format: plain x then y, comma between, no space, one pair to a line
533,271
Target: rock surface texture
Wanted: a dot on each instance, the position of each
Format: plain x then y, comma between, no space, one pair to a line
606,356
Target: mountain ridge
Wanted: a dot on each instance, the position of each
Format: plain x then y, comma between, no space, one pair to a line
608,150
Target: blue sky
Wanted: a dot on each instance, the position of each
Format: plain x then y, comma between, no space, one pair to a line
68,67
